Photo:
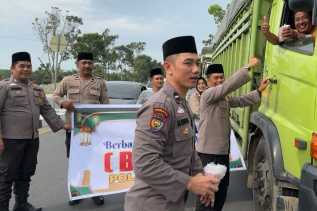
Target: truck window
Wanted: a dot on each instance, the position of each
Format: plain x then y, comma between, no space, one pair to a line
304,45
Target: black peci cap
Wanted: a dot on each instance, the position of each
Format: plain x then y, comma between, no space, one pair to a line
156,71
176,45
214,68
85,56
20,56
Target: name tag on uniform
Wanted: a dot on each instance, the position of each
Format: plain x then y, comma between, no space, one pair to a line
182,122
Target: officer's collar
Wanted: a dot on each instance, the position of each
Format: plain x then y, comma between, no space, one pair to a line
197,93
171,91
77,76
19,82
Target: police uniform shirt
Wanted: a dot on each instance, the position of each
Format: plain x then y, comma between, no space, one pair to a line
92,91
163,153
20,108
215,104
144,96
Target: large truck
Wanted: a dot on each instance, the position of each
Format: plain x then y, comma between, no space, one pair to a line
278,138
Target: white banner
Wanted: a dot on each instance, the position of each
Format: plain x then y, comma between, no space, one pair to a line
236,159
100,161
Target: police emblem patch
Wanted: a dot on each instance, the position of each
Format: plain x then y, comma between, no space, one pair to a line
156,123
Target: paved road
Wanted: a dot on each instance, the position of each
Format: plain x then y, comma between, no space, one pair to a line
49,185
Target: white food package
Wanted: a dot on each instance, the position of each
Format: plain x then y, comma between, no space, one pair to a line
280,37
217,170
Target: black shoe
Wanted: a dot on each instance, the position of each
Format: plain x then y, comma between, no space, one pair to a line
98,200
74,202
4,208
25,207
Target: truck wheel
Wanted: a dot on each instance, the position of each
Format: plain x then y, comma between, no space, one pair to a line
265,190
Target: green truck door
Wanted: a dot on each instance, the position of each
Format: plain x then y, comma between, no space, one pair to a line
291,102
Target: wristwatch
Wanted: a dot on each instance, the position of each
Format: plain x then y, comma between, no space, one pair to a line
246,67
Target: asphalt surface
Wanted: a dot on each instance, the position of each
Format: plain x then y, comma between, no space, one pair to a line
48,188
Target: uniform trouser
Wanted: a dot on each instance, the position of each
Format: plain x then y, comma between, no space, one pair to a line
17,165
221,194
67,142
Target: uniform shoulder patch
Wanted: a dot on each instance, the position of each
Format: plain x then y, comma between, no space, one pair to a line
156,124
161,113
159,117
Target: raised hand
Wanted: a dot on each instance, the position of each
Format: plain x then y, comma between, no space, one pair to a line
265,26
68,105
253,62
264,83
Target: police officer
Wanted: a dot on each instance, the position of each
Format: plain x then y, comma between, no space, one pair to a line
157,81
165,162
81,88
214,125
21,104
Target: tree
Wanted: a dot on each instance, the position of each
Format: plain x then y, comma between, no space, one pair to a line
136,47
102,47
217,13
126,55
60,28
42,75
209,40
111,60
4,74
142,66
124,60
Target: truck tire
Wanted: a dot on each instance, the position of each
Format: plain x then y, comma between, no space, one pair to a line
265,190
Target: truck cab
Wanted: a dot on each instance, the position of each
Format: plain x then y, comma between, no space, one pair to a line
279,137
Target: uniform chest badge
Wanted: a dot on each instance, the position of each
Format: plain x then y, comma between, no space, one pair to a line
180,110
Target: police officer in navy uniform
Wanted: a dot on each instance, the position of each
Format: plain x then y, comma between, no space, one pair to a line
165,162
21,104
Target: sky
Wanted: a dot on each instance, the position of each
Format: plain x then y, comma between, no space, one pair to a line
149,21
